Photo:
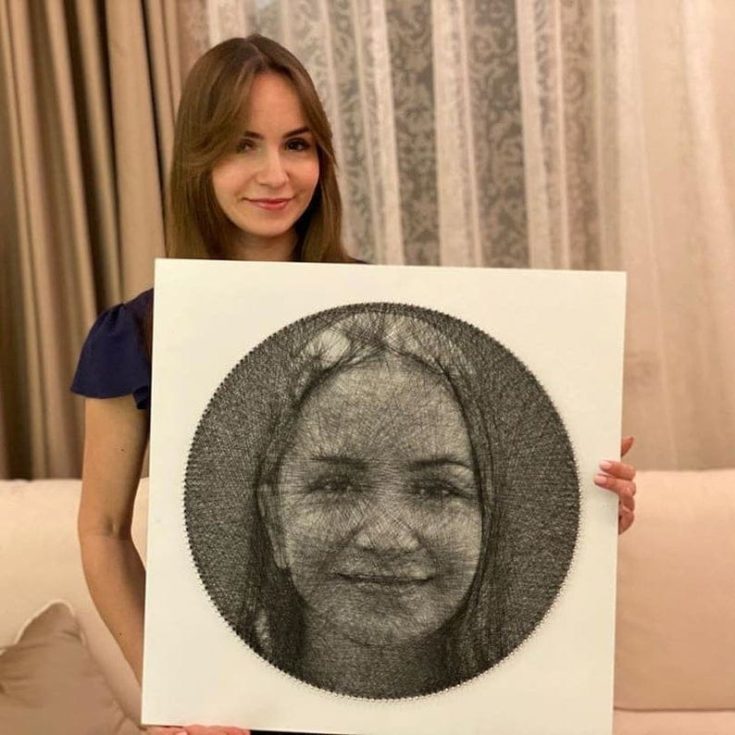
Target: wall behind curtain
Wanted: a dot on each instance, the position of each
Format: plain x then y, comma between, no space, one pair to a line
510,133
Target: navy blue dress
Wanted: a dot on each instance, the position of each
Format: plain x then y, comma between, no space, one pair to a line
115,359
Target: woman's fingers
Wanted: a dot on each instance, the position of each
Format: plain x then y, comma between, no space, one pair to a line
626,516
617,469
625,444
624,489
618,477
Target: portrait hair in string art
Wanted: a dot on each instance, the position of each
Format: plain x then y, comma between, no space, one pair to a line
381,500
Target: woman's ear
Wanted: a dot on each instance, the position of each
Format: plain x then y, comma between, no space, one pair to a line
269,511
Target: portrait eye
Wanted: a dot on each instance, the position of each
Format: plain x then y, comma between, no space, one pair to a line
333,485
435,489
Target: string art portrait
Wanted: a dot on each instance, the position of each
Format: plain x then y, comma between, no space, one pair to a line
382,501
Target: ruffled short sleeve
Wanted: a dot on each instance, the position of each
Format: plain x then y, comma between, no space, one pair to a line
114,360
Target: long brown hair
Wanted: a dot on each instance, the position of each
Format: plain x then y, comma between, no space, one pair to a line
207,124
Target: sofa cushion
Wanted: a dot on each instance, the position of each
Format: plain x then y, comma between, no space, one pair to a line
50,684
675,639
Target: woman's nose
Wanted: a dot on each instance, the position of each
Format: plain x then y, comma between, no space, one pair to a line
272,171
385,526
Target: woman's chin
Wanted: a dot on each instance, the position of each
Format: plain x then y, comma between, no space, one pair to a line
388,634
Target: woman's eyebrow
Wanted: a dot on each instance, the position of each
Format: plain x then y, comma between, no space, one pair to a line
421,464
339,459
258,136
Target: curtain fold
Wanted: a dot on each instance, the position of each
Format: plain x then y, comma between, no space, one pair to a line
558,60
457,201
138,177
46,271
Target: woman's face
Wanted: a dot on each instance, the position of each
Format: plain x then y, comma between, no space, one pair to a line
377,511
267,182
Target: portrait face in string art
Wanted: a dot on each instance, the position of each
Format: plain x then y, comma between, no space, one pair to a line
381,501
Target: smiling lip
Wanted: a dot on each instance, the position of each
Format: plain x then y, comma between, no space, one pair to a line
383,580
269,203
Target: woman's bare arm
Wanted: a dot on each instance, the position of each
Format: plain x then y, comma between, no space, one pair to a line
116,435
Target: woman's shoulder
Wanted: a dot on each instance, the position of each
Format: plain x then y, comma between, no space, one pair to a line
115,357
141,305
124,321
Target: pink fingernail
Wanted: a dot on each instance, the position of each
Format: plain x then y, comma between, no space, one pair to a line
600,479
606,464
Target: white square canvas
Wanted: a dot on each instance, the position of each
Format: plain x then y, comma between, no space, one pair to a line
372,507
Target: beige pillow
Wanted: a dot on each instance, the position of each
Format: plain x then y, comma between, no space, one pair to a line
49,683
675,646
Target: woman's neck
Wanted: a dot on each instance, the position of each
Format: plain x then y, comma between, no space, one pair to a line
333,661
273,249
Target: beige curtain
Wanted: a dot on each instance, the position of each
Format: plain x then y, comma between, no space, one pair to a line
87,98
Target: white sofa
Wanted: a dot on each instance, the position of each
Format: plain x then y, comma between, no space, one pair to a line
675,662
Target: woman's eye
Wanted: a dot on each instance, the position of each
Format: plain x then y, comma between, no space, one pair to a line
333,485
298,144
435,490
244,144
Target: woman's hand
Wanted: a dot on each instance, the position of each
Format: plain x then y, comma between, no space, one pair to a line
196,730
618,477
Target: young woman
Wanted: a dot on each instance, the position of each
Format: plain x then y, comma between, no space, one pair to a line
253,178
